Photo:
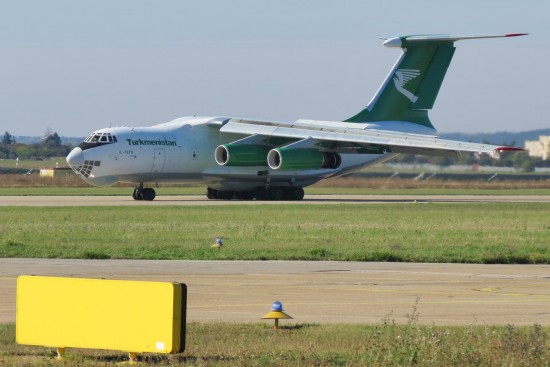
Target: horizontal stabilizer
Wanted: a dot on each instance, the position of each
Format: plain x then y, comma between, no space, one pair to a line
410,41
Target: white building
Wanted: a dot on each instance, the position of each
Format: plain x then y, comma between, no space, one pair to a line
539,148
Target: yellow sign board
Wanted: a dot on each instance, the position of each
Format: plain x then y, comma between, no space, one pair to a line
131,316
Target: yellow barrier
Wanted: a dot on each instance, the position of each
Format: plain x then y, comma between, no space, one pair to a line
130,316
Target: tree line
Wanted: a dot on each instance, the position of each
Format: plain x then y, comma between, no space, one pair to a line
520,161
49,146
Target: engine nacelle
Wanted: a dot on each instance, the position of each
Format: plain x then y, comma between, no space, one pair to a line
296,158
243,155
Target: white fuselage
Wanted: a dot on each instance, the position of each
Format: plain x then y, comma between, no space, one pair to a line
183,151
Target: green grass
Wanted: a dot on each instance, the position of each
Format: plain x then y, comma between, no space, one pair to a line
32,163
383,344
421,232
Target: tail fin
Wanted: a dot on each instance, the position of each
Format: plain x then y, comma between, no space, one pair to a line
410,89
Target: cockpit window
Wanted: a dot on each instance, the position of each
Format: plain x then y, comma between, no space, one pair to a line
97,139
101,137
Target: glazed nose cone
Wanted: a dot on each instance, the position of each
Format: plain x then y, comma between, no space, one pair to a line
75,158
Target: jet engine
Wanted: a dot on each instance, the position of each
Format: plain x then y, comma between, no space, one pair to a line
302,158
241,155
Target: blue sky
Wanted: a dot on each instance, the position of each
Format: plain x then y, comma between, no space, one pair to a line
77,66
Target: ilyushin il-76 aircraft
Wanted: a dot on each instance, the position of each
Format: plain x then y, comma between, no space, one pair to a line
242,158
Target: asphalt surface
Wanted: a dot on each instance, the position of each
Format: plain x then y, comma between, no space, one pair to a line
309,199
322,292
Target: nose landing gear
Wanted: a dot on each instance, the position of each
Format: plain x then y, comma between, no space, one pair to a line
141,193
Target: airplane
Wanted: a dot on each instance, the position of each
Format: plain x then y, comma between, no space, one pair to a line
246,159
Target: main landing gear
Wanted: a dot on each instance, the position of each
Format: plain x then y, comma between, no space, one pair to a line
144,193
260,193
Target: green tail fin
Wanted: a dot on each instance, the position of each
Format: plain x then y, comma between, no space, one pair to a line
410,89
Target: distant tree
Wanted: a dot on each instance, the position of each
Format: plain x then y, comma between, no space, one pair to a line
485,160
47,133
528,166
6,145
25,151
53,140
443,161
64,150
521,160
7,139
51,146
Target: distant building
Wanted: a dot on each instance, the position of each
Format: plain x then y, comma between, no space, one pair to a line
539,148
55,172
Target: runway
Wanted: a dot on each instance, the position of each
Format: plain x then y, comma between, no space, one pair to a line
309,199
322,292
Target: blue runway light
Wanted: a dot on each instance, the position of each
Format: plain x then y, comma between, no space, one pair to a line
276,314
218,244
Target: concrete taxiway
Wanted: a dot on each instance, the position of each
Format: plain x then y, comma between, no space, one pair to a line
309,199
323,292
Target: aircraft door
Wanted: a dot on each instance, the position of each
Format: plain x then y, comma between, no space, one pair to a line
158,160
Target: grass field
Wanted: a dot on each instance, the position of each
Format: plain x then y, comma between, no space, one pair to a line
417,232
383,344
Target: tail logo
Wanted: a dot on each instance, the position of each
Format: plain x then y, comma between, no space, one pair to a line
401,78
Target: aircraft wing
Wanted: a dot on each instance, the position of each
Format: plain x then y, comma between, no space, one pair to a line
348,138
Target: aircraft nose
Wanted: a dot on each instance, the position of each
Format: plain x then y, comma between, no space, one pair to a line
75,157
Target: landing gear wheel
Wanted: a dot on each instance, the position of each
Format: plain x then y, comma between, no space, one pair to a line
141,193
294,193
137,194
247,195
221,195
148,194
275,193
210,193
260,193
226,195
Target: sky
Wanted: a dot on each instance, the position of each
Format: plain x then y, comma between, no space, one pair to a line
73,67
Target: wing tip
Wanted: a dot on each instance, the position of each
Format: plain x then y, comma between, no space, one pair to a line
516,34
509,149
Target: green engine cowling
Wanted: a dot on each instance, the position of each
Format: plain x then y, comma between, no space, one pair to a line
243,155
296,158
